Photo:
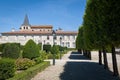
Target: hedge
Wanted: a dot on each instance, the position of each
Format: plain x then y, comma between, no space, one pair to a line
31,72
3,45
11,50
47,47
7,68
31,50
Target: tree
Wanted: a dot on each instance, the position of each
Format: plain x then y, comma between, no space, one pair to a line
94,32
79,40
31,50
102,18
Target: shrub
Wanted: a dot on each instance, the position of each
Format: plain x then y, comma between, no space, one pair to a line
49,56
24,63
4,44
30,50
40,59
55,49
47,47
11,51
7,68
31,72
40,46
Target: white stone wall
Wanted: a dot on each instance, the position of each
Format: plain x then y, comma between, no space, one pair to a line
67,40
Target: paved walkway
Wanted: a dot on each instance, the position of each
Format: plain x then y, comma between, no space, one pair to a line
74,66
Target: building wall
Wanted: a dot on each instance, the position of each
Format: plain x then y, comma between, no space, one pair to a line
67,40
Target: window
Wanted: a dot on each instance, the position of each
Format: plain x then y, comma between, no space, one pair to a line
55,37
48,43
62,37
73,37
62,44
68,37
74,44
68,44
55,43
47,37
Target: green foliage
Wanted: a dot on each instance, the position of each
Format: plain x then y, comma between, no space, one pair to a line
61,48
31,72
24,63
47,47
80,39
55,49
11,50
40,46
49,55
101,23
4,44
30,50
7,68
41,58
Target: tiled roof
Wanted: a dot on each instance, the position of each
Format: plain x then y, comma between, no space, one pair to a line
41,32
41,26
67,32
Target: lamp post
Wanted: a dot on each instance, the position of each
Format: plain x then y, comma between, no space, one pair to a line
54,34
60,46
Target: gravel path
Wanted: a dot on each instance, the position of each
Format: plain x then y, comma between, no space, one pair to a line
74,66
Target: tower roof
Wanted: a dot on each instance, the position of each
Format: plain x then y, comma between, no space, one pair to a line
26,21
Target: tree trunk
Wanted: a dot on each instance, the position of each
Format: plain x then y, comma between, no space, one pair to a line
105,58
89,55
80,51
100,57
114,61
83,52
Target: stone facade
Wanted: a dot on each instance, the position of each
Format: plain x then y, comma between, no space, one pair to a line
40,34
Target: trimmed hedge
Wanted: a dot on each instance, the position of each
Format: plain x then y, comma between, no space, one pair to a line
47,47
4,44
31,50
31,72
11,50
7,68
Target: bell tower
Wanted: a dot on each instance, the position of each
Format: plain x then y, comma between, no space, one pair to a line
25,26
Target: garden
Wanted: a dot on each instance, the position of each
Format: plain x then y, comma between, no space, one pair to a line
18,62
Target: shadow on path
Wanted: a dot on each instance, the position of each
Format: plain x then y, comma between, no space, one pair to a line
84,70
77,56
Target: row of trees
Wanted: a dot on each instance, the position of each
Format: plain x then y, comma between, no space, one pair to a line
101,29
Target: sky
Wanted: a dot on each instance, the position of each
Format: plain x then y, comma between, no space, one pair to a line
64,14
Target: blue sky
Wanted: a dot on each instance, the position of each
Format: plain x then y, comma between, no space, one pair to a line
66,14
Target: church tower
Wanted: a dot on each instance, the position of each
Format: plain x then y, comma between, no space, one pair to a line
25,26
